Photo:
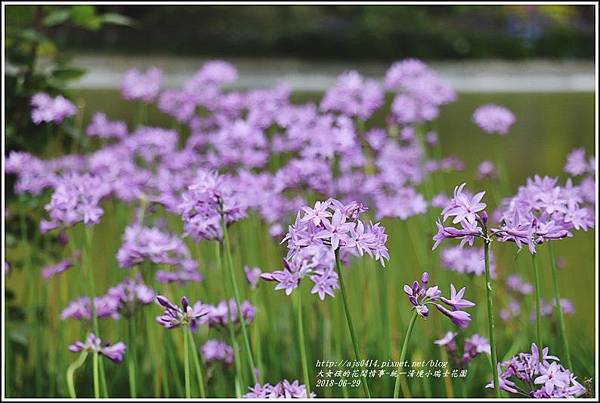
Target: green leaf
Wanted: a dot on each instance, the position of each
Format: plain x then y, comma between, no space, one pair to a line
85,16
117,19
56,17
68,73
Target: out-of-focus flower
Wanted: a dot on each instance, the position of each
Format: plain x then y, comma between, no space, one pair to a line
353,96
486,170
494,118
51,110
252,275
105,129
60,267
281,390
216,350
466,260
113,352
137,84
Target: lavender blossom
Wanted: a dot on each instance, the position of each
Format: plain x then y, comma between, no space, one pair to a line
186,315
103,128
141,85
466,260
113,352
252,275
51,110
353,96
60,267
545,379
281,390
494,118
216,350
420,296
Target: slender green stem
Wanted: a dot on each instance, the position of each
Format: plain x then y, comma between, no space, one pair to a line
131,357
197,365
95,375
411,324
238,303
538,308
490,312
71,372
338,266
234,344
559,311
186,365
300,329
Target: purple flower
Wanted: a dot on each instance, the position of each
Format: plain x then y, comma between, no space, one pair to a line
466,260
113,352
447,341
51,110
545,379
141,85
60,267
486,170
131,293
81,308
353,96
175,316
494,118
104,128
211,198
576,163
281,390
76,198
216,350
464,207
252,275
420,295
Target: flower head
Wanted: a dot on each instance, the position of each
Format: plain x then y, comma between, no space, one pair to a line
494,118
113,352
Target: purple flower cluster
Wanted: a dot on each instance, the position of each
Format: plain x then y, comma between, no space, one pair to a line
252,275
216,350
547,309
517,290
218,316
211,199
103,128
420,296
494,119
140,85
419,92
151,244
175,316
525,375
473,346
51,110
543,211
469,212
281,390
123,298
317,235
113,352
577,164
466,260
353,96
76,198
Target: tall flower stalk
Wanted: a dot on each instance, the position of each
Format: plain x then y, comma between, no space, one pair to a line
538,307
558,307
411,324
490,314
338,266
301,345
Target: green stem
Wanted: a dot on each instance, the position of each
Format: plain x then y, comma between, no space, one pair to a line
300,329
413,318
234,344
490,312
538,308
95,374
199,372
131,358
338,266
186,365
559,311
71,372
238,303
